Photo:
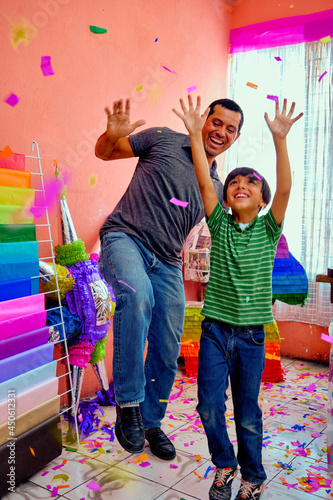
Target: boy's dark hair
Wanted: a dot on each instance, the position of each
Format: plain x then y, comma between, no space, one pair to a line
228,104
248,172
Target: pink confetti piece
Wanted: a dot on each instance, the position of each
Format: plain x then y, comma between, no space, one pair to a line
257,176
273,98
145,464
94,486
46,66
328,338
46,472
172,466
127,285
322,76
278,58
179,202
164,67
312,387
54,492
190,89
57,466
12,100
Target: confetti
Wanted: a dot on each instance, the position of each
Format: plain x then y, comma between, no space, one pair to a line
54,492
256,175
139,87
12,100
190,89
322,76
156,39
273,98
328,338
163,400
326,39
94,486
97,29
252,85
46,66
278,58
32,451
164,67
92,180
179,202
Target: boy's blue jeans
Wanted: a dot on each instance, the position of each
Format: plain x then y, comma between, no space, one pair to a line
150,304
238,352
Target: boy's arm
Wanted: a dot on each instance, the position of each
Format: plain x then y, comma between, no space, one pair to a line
114,144
280,127
194,122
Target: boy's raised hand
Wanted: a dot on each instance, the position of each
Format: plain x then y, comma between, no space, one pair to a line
282,122
192,118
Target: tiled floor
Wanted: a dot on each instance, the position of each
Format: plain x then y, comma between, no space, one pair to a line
293,453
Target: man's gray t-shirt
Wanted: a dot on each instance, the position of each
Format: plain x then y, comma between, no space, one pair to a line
164,171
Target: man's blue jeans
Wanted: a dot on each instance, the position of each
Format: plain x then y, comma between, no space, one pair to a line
238,352
150,304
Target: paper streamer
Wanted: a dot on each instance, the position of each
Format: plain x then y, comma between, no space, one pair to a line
15,178
25,361
15,161
22,324
27,380
21,307
179,202
18,288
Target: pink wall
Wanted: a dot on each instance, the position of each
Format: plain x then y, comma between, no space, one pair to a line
248,12
64,112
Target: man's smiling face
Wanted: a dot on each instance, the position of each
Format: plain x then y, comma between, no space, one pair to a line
220,131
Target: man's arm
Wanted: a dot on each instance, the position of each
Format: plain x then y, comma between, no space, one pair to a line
194,122
114,144
280,127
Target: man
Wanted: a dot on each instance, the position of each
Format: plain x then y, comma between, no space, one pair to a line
141,244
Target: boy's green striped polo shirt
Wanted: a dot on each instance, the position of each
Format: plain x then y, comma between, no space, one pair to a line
241,264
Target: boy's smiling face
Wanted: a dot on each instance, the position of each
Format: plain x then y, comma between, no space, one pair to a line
244,197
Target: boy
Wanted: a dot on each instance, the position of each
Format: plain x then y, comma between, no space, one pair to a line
238,303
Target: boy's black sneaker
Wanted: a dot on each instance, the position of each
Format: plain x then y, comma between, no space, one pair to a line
221,487
250,491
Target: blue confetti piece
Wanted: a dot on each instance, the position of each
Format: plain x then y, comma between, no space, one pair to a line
206,473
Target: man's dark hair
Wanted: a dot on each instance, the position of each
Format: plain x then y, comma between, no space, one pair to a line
248,172
228,104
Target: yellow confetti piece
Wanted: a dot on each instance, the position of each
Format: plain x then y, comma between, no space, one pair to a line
61,476
92,180
326,39
139,87
163,400
160,131
32,451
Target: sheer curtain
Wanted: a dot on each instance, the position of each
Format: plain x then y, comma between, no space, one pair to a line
308,223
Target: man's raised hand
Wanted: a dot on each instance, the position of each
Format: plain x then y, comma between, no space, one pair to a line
118,124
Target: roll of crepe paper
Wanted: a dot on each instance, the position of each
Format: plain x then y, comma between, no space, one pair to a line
24,342
17,196
21,306
15,178
18,288
22,324
15,215
31,418
27,380
10,233
25,361
15,161
47,445
28,399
